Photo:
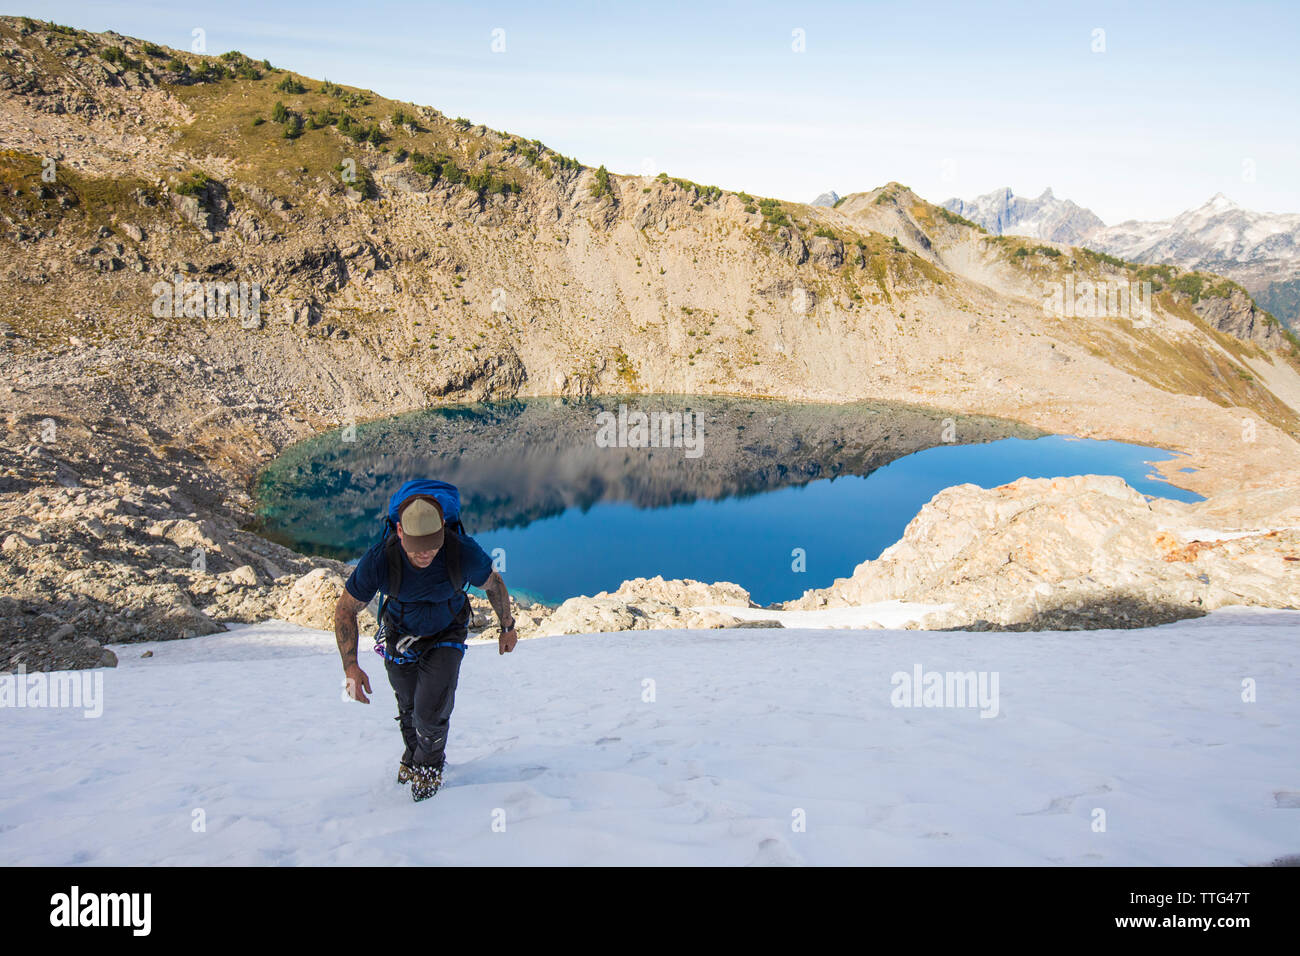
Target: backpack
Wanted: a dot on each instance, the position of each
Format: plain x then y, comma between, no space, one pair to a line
448,497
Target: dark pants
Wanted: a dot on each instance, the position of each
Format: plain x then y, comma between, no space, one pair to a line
426,693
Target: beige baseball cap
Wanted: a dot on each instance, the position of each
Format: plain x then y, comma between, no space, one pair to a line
421,523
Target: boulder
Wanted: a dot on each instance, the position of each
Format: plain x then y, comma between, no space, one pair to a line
684,592
243,575
604,613
311,600
584,615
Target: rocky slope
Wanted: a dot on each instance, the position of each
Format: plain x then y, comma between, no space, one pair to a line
403,259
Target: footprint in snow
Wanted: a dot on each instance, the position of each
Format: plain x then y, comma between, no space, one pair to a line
773,852
1063,804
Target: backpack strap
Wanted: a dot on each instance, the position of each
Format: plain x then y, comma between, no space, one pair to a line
393,558
451,558
393,553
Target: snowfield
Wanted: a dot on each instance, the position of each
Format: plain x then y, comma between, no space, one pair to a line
718,747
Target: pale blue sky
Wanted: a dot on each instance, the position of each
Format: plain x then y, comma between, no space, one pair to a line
1187,100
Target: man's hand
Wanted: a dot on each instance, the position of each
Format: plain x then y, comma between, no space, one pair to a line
345,632
506,642
358,684
499,598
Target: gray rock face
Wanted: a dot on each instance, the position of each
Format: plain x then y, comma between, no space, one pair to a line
192,212
1238,315
788,244
828,253
828,198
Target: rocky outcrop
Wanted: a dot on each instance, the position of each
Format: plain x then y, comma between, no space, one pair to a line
788,244
1237,315
1077,552
684,592
499,375
647,604
602,613
825,252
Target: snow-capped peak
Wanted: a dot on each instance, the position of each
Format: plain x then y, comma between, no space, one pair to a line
1220,203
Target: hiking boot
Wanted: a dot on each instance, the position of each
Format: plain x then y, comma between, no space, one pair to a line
404,773
425,782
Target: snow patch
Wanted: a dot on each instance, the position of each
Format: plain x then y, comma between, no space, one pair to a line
748,732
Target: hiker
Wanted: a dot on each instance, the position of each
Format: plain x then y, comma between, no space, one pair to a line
421,564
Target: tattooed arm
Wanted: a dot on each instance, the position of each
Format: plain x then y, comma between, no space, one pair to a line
499,598
345,633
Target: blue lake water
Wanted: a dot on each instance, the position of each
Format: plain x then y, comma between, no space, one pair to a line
840,483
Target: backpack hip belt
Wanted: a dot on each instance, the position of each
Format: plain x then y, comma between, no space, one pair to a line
404,646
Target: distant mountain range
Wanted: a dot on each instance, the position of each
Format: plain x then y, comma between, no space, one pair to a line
1259,250
1002,212
829,198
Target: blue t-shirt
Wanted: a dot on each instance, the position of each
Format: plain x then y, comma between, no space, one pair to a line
426,602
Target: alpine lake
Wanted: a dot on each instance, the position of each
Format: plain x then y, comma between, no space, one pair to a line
573,497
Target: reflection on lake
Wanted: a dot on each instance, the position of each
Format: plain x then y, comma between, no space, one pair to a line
575,516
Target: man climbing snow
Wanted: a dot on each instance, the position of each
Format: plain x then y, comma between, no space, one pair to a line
421,565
